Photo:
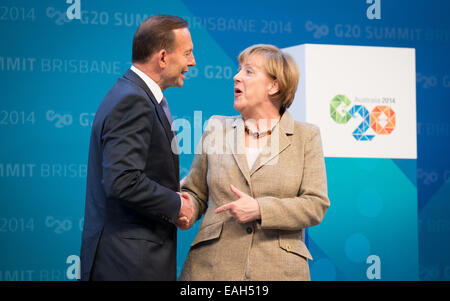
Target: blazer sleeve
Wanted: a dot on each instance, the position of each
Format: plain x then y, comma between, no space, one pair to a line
196,183
309,207
126,138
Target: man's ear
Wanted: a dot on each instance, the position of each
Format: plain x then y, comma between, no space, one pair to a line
162,58
273,88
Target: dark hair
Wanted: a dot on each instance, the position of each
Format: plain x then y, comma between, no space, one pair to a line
155,33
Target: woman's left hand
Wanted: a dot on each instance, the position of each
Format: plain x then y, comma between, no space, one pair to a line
245,209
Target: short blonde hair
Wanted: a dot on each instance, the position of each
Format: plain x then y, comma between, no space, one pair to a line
281,67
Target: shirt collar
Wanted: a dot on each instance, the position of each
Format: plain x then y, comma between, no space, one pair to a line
154,88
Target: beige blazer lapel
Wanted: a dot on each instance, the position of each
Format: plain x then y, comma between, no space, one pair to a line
278,142
236,144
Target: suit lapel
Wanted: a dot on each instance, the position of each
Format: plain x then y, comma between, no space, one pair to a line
130,75
159,111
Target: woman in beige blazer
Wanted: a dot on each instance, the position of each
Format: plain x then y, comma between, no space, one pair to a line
257,179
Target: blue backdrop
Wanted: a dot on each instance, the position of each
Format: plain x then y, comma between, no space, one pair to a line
56,71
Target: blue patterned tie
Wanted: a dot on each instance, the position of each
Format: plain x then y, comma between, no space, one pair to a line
165,107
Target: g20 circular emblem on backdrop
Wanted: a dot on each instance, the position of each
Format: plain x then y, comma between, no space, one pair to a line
381,119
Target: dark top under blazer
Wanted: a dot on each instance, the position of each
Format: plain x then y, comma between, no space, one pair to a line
132,179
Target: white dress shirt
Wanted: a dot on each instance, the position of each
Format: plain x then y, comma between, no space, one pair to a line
154,88
252,154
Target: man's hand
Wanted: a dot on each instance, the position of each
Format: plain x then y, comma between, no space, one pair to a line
186,212
245,209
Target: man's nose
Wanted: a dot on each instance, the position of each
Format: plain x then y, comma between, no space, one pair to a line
192,61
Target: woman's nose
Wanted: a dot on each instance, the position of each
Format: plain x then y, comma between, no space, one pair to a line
237,77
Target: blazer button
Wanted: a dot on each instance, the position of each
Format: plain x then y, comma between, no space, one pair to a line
288,247
249,230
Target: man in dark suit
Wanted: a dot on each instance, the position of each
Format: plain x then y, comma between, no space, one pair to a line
133,202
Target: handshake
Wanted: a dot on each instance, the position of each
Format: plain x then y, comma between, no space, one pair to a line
244,209
186,212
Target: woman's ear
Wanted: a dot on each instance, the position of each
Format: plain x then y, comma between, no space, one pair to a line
273,88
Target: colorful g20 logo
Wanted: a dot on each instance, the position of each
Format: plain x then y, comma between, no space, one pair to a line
381,119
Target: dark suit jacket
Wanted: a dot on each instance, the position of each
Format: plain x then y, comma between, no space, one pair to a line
131,200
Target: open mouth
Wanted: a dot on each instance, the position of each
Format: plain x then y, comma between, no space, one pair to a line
183,73
237,91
